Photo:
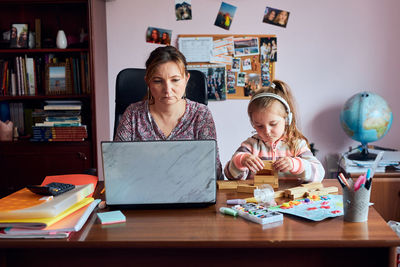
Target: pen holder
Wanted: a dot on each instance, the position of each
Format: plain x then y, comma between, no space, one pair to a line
356,204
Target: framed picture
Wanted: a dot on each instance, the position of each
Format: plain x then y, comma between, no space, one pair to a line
19,34
57,79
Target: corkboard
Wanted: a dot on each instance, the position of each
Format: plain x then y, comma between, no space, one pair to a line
256,64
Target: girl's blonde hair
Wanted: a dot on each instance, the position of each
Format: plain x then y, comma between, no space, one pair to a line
281,89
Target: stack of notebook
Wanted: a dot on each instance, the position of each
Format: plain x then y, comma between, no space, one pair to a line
24,214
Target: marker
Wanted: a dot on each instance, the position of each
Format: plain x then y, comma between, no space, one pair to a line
360,181
228,211
236,201
344,179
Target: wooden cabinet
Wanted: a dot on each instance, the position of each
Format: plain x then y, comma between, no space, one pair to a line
385,195
24,162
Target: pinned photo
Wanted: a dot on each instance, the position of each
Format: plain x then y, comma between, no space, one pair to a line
246,46
216,82
276,17
158,36
183,9
225,16
246,64
269,49
235,65
241,79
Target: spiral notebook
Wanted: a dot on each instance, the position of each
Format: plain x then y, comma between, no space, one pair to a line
160,173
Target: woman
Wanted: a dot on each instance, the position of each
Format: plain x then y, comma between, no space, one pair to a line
165,114
282,18
165,38
154,37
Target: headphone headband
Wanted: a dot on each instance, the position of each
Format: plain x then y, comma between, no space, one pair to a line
281,99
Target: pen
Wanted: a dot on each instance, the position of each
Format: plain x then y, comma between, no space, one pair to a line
340,181
235,201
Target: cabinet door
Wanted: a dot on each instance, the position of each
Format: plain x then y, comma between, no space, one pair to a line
30,163
385,195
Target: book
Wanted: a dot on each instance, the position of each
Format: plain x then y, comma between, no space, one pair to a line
24,204
41,223
111,217
71,223
44,236
75,179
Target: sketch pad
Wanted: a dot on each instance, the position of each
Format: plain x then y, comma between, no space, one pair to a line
160,173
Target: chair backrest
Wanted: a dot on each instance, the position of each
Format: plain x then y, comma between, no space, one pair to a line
131,87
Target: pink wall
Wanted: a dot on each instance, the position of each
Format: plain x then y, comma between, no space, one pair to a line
329,51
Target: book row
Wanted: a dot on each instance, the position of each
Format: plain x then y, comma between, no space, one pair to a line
45,75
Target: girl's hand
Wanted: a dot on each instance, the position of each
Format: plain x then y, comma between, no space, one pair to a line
284,164
253,163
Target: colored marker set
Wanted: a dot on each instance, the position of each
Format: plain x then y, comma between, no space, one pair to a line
257,213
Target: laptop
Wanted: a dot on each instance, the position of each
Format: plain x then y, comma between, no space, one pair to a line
158,174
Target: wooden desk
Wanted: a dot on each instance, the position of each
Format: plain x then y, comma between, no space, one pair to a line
205,237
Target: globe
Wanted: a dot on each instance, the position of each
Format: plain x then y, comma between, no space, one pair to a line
366,118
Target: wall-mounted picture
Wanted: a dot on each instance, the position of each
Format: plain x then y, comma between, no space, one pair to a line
183,9
235,65
246,46
246,64
216,86
269,49
19,33
158,36
241,79
225,16
276,17
230,82
56,79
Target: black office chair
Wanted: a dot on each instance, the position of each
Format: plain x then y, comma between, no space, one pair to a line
131,87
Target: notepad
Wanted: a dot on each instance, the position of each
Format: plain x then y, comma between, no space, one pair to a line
111,217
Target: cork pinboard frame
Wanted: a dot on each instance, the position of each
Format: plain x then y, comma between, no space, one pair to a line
253,69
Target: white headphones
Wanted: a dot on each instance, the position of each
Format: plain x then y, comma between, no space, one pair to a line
278,97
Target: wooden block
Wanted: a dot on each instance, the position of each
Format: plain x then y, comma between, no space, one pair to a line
311,186
251,200
227,184
264,179
297,195
242,188
331,189
280,193
268,164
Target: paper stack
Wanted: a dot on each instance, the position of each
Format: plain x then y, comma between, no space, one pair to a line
24,214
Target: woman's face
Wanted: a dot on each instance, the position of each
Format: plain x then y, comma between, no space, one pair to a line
168,84
271,15
154,35
282,17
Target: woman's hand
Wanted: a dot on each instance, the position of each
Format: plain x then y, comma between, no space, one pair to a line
253,163
284,164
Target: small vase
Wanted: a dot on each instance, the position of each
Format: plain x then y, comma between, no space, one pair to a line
61,40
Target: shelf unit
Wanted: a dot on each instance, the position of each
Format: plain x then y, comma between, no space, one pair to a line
23,162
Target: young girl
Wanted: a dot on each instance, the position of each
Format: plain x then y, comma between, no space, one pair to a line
271,113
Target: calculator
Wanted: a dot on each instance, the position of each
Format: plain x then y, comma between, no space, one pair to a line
52,189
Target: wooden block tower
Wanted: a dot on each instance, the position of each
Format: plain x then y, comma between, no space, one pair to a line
267,175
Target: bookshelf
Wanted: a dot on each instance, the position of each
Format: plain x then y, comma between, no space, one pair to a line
23,161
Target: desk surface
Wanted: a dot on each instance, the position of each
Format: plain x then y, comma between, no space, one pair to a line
208,228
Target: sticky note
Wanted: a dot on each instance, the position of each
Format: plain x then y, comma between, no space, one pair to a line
111,217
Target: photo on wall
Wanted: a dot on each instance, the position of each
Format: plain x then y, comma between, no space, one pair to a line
225,16
158,36
183,9
216,85
276,17
269,49
246,46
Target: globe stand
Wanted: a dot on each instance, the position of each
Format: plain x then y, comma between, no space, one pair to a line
363,155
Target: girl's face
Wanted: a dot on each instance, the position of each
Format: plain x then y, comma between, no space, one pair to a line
270,122
283,17
154,35
168,84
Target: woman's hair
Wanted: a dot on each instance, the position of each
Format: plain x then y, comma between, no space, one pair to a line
163,55
281,89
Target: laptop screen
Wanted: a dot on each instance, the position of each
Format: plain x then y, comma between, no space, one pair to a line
160,172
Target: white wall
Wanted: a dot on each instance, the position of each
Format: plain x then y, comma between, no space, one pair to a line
329,51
